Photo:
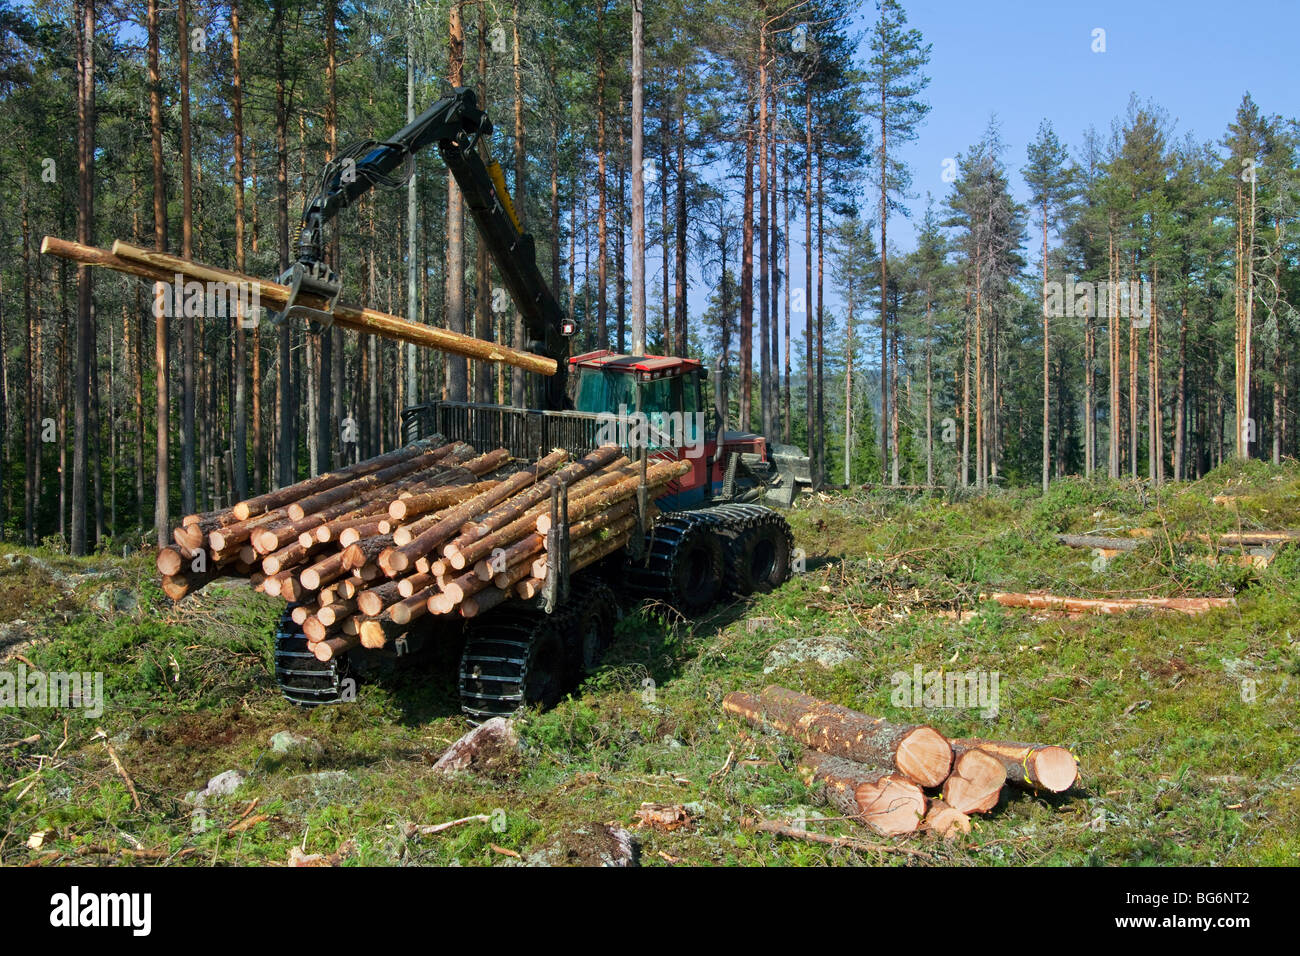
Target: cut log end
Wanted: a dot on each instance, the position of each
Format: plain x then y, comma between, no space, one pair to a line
892,805
1054,769
946,822
975,784
925,756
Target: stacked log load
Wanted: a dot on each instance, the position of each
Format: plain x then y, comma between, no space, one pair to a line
878,772
431,528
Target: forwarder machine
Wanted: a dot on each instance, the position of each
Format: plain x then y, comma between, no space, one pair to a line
712,537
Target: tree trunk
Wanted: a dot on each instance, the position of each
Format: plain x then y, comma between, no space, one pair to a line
764,262
680,345
161,512
188,486
1047,454
84,30
638,181
602,211
887,802
809,364
457,373
518,338
747,278
286,463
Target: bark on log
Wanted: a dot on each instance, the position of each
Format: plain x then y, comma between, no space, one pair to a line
161,267
884,800
178,586
367,486
372,601
323,572
473,552
291,493
657,474
484,601
515,507
400,559
919,752
365,551
1036,766
406,509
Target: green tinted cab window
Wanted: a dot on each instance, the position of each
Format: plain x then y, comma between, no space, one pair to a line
600,391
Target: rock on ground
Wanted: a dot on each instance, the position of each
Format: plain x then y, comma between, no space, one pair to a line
824,651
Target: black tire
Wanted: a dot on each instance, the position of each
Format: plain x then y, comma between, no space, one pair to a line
760,558
683,564
695,573
513,659
546,671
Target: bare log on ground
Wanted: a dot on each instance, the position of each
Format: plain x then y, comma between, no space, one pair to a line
1038,600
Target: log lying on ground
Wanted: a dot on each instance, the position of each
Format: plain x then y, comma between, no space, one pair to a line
919,752
884,800
1099,541
1039,600
1257,538
1036,766
975,783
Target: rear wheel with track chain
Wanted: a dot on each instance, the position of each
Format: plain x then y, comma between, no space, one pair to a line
303,679
516,658
683,562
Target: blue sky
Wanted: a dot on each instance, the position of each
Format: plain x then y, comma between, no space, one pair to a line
1026,62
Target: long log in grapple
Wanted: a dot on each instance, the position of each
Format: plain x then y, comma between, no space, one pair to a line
524,526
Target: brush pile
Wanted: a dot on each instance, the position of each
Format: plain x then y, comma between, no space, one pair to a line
430,528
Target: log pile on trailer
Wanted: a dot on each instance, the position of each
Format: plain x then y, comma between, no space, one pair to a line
431,528
900,778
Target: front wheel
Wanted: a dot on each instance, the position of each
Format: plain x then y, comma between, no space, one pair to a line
760,558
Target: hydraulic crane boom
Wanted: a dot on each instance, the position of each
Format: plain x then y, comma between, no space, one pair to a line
456,124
